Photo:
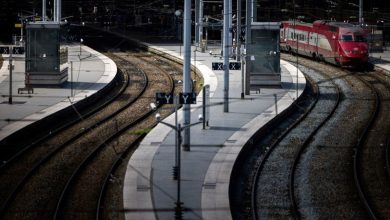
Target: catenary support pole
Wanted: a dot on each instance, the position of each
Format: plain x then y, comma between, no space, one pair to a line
187,71
360,12
10,75
226,49
55,10
200,21
248,39
196,33
43,10
238,35
59,7
230,17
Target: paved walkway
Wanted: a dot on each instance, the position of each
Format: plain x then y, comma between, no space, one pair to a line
381,60
149,190
90,74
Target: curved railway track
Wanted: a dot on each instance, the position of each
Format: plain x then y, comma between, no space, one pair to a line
18,165
111,205
78,189
250,159
272,189
370,162
67,165
362,119
333,163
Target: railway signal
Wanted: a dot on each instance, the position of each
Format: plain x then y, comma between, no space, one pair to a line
220,66
167,98
15,50
18,50
187,98
4,50
217,66
234,66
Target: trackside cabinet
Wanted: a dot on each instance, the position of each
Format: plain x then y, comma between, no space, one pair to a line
263,54
45,61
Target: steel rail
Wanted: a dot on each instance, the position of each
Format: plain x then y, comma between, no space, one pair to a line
275,143
357,163
53,152
295,209
91,156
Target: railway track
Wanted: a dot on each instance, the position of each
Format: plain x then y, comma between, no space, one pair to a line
67,176
351,134
18,165
371,156
311,170
113,201
284,154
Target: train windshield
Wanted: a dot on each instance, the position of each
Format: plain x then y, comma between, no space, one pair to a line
346,37
354,38
360,38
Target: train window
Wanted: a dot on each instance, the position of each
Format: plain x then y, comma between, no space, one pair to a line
346,37
360,38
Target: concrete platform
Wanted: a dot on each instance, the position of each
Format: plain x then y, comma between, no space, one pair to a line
92,71
381,60
149,189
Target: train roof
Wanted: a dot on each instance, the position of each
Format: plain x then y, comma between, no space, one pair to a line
297,22
337,25
334,25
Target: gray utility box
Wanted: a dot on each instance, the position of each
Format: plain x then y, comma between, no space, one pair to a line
46,63
263,54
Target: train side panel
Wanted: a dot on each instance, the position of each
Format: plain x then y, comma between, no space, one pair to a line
325,41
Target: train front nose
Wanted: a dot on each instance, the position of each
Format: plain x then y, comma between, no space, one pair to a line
359,49
355,52
354,55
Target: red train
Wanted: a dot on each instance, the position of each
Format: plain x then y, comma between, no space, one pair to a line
339,43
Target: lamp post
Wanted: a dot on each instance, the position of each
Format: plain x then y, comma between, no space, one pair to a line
71,78
81,39
242,55
187,71
10,66
81,42
178,128
179,29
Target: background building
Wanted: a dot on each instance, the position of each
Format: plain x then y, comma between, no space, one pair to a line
159,15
